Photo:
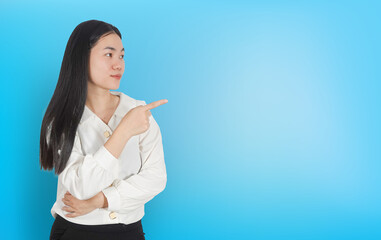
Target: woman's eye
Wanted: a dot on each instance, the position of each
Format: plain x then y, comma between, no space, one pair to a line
122,56
107,53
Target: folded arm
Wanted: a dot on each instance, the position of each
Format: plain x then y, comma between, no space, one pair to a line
86,175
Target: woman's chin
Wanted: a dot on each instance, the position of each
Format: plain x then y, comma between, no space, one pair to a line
115,86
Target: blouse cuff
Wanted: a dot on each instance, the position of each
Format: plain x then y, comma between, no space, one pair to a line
113,198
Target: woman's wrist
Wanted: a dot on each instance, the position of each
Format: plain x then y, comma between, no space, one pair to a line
116,143
99,201
125,128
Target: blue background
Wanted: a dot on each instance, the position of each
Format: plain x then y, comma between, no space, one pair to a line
272,129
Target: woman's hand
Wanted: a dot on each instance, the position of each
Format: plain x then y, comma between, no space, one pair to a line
136,120
77,207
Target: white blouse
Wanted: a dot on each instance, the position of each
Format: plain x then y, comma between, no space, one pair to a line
128,182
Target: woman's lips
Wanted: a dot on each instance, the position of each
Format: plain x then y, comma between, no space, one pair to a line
118,76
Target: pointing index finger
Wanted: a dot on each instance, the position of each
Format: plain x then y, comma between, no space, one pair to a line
155,104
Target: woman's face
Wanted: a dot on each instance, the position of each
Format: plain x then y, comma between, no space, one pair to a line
106,59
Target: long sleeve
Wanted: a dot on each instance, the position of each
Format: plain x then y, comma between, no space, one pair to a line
128,194
86,175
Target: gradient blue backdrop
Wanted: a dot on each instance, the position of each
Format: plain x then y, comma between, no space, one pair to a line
272,129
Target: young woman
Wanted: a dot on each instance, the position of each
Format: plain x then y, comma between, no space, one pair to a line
105,146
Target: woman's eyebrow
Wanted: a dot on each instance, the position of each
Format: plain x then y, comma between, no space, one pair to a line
112,49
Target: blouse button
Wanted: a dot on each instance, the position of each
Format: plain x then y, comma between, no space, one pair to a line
106,134
112,215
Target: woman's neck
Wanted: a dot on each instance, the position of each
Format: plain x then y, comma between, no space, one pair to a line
100,100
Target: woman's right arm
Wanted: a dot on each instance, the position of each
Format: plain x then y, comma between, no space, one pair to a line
85,175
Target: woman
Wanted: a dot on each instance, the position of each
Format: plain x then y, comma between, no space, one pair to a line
105,146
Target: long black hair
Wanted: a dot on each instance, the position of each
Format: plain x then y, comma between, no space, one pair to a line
66,107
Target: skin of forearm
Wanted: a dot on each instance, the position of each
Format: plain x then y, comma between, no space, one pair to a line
99,201
118,140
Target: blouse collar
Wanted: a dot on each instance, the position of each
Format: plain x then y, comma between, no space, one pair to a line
120,111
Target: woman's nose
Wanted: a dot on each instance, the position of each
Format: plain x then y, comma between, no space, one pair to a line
117,66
